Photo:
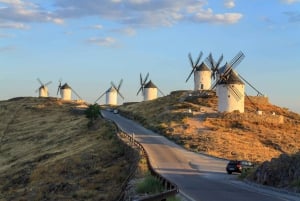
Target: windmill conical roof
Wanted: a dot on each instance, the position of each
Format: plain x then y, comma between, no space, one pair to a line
65,86
233,78
203,67
150,85
222,69
111,89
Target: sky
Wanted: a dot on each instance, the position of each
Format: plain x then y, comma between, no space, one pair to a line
89,43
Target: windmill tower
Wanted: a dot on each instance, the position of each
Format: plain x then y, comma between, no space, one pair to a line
112,94
230,88
66,92
148,89
231,93
43,89
202,74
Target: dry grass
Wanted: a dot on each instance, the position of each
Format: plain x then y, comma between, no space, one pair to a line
227,135
47,153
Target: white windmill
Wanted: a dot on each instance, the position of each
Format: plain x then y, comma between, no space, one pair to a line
148,89
202,74
230,87
66,92
43,89
112,94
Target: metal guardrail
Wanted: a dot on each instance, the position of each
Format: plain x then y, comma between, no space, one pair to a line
172,188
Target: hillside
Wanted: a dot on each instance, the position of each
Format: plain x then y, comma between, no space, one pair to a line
192,120
47,153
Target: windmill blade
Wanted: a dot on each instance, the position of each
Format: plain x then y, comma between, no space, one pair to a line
141,79
193,70
37,90
48,83
59,87
118,88
100,97
120,84
258,92
76,94
146,78
254,105
237,92
219,61
210,61
142,84
120,94
198,59
193,66
234,93
41,83
140,89
160,92
237,60
113,85
213,86
191,60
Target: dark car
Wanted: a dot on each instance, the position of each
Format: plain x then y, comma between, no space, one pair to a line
238,166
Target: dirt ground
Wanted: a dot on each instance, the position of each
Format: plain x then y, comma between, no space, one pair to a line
192,120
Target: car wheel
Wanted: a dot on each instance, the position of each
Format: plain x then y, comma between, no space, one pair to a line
229,172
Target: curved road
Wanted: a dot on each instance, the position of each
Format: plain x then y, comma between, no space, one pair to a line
198,177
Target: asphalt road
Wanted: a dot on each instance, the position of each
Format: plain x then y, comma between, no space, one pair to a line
198,177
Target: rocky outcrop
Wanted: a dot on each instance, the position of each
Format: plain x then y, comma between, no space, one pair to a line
282,172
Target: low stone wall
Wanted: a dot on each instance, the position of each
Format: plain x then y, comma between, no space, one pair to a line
256,118
258,100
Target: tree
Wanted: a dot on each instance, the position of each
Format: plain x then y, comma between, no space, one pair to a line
92,113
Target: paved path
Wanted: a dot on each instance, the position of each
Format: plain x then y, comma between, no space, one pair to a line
198,177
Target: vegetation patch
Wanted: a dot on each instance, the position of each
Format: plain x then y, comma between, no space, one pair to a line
48,153
149,185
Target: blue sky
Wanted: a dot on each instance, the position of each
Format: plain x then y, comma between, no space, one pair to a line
89,43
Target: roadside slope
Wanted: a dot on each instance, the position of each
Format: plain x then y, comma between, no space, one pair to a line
47,153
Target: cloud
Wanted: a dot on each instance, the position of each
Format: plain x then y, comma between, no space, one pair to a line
7,48
290,1
229,3
2,35
210,17
19,11
145,13
127,31
108,41
293,16
132,13
13,25
96,26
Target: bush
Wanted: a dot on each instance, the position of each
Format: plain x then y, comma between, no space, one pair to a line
92,113
149,185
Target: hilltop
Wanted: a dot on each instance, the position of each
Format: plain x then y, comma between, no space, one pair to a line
191,120
269,137
48,153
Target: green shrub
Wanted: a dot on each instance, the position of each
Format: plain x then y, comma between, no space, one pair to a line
150,185
92,113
